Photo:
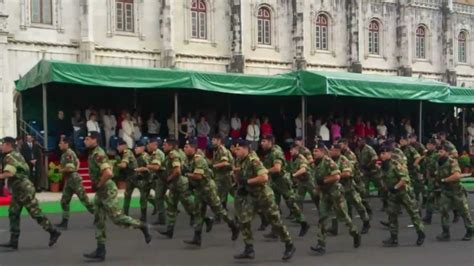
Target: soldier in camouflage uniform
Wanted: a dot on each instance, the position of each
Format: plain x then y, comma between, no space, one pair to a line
222,162
127,163
105,200
303,150
397,180
421,149
17,171
367,163
350,192
413,164
255,194
144,176
432,187
206,192
177,184
73,182
280,181
156,166
453,194
327,176
357,175
302,173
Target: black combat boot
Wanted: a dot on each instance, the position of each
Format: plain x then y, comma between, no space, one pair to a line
13,243
357,239
421,238
427,218
63,224
334,228
391,242
143,215
445,235
209,221
365,228
53,237
468,235
146,232
248,253
235,230
320,248
196,241
289,251
98,254
304,229
169,231
455,217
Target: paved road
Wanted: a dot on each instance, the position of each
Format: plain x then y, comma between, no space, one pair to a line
126,247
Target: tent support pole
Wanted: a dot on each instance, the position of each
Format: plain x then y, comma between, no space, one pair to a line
135,99
45,131
176,115
303,119
420,122
464,109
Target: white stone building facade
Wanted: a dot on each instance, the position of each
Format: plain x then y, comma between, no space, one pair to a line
431,38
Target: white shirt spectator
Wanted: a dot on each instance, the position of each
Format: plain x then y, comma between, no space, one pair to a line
324,133
170,125
382,130
153,126
253,132
93,126
299,127
110,124
224,128
203,129
235,123
128,132
470,134
409,129
191,127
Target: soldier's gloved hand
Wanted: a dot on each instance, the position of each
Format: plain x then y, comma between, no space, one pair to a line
393,190
320,182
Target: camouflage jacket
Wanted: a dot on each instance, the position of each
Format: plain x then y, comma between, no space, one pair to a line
454,152
69,160
350,155
399,155
173,159
15,164
128,158
158,158
275,155
143,160
430,164
250,167
198,164
419,147
411,155
394,172
298,163
306,153
325,167
345,165
222,154
98,162
367,158
446,169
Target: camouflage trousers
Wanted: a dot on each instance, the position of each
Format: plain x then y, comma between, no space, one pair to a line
106,204
432,197
130,185
224,186
24,197
395,201
160,186
418,186
179,192
332,202
73,186
353,199
361,188
374,176
261,199
307,187
206,195
457,201
284,187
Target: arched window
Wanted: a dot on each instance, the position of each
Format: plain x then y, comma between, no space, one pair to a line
374,37
321,32
421,42
199,19
462,47
125,15
264,26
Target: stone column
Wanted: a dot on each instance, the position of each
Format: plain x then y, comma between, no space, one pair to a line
86,45
7,121
237,60
448,43
404,39
298,7
168,54
353,9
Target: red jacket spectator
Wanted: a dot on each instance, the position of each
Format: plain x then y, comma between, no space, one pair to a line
369,130
243,129
266,128
359,129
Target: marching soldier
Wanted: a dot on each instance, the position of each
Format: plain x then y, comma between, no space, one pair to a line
433,190
302,173
222,162
413,164
73,182
327,176
144,177
453,195
206,192
351,195
156,166
442,141
255,194
303,150
397,180
17,171
275,162
105,200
